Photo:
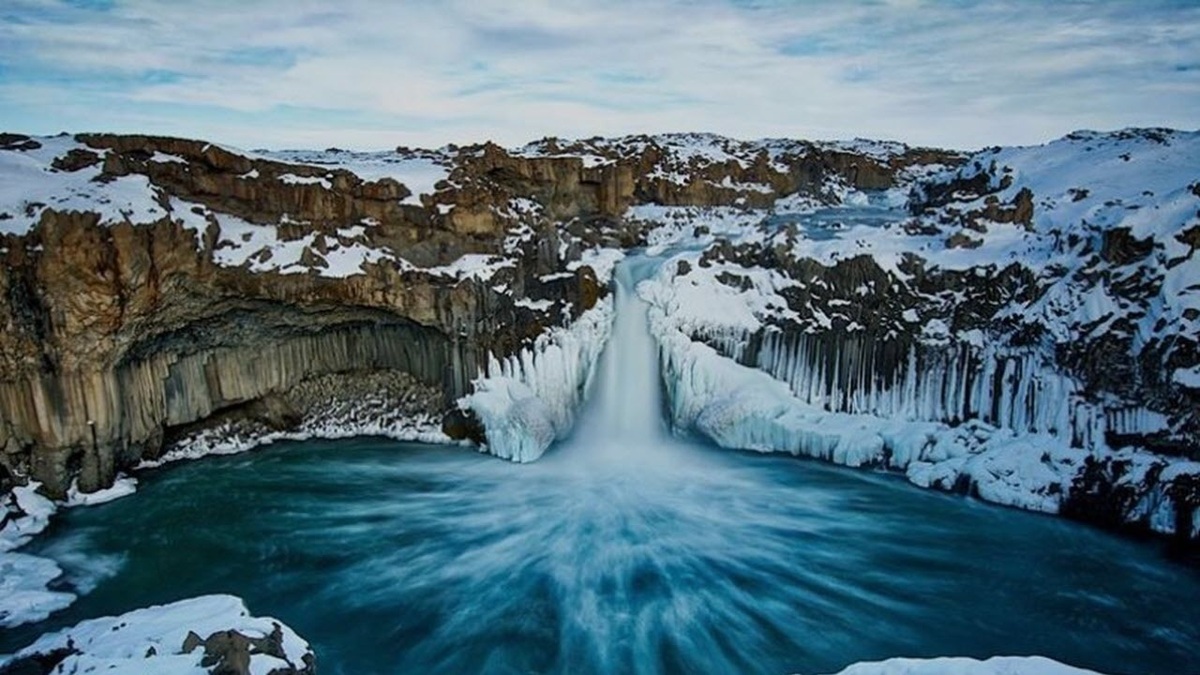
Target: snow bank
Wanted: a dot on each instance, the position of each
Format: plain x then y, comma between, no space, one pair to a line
151,640
30,185
529,399
997,665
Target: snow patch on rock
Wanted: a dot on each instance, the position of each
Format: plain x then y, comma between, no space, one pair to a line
151,640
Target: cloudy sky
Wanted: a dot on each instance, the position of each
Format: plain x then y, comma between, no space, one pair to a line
375,74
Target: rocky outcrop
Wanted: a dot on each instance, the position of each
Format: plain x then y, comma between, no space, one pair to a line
229,652
120,334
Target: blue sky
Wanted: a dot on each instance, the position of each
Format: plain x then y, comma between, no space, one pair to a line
374,74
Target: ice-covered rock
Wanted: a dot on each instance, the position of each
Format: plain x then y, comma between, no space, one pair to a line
743,407
528,400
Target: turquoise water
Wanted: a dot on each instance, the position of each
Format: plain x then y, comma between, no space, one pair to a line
400,558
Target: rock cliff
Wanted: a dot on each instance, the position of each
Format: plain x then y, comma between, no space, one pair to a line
153,287
158,291
1040,304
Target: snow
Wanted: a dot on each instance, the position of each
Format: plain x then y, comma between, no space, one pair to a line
675,226
361,419
151,639
698,297
997,665
123,486
601,260
260,249
743,407
1188,377
478,266
419,171
535,305
880,151
24,597
29,185
165,158
293,179
528,400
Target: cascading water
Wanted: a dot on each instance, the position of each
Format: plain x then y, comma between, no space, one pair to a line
625,413
623,550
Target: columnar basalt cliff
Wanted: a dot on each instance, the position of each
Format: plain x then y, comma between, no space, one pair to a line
152,287
1039,306
1022,322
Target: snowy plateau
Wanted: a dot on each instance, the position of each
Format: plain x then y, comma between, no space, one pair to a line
1018,324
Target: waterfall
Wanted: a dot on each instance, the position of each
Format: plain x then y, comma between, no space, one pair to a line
622,425
628,400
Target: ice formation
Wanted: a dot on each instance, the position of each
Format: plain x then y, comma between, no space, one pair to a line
24,596
799,405
529,399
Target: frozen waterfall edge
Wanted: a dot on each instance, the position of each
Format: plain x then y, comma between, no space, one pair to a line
530,399
742,407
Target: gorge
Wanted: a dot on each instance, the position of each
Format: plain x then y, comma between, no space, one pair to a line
1018,325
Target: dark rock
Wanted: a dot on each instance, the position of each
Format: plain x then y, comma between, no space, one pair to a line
76,160
17,142
229,652
1120,247
37,664
462,425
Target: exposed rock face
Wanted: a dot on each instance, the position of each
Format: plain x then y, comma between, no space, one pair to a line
229,652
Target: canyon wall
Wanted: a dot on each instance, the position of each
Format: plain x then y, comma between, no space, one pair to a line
152,286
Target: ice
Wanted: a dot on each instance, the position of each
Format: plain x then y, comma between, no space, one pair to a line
24,597
362,419
528,400
997,665
32,515
801,411
151,639
123,486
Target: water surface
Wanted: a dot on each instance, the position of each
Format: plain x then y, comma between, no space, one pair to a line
622,551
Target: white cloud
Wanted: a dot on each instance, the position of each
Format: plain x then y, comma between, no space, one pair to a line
359,73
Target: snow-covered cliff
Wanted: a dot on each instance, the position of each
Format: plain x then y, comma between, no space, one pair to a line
1025,332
